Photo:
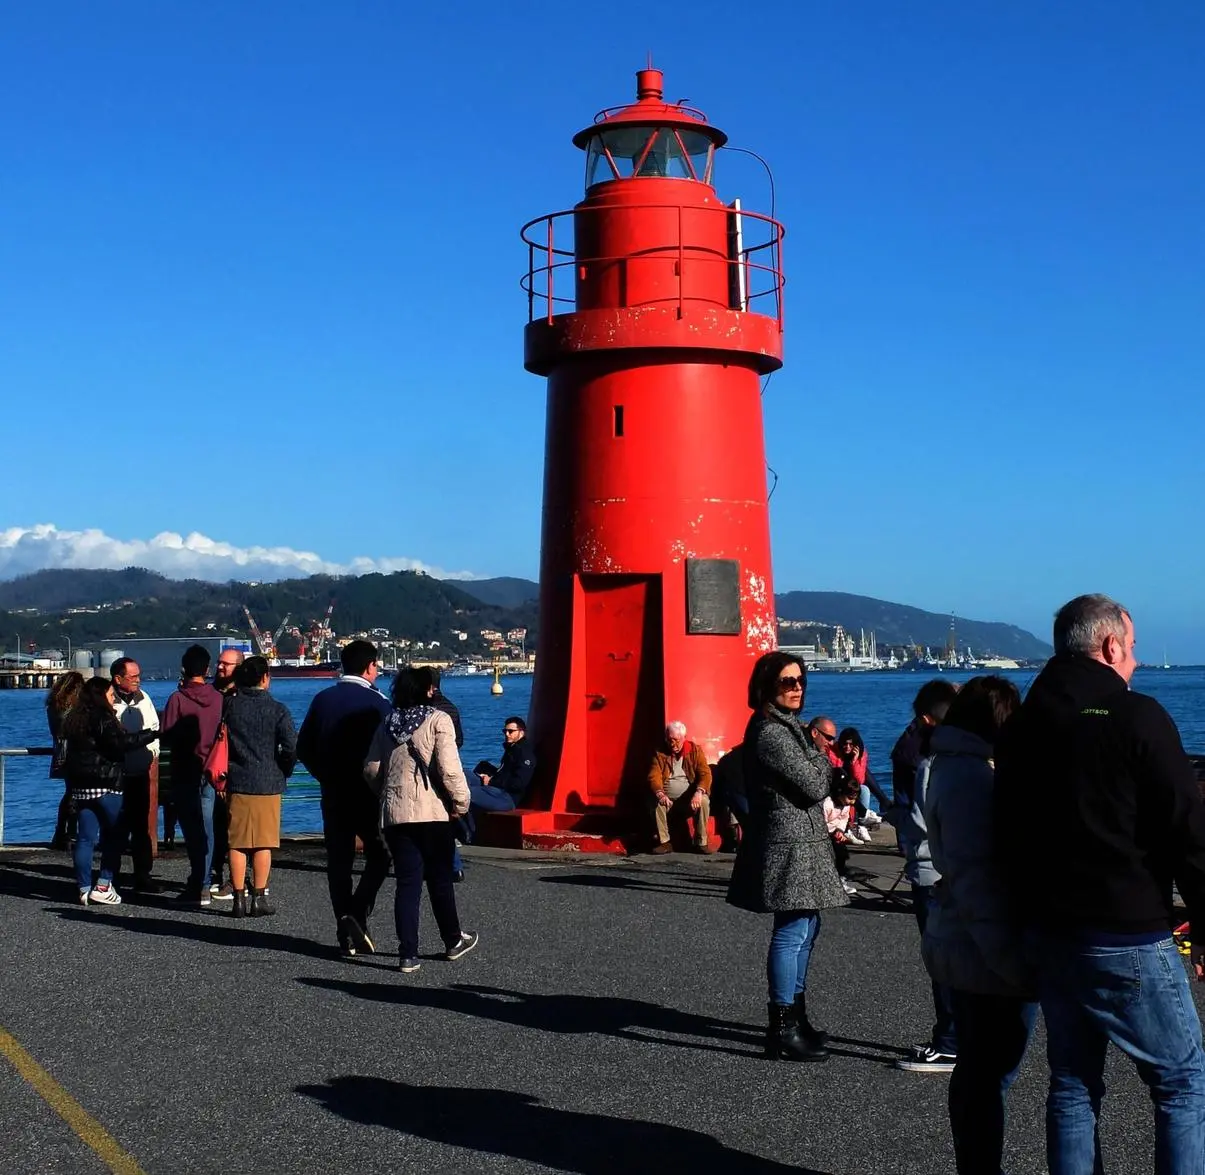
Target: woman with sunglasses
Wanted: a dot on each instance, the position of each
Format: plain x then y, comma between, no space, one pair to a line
785,864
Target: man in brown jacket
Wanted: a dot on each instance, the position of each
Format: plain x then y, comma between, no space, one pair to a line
680,783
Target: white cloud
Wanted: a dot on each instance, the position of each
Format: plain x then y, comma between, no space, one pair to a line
194,556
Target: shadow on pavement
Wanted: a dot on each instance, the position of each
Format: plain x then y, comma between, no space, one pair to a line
503,1122
224,932
652,883
572,1014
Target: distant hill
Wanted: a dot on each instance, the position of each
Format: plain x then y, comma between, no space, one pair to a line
109,605
504,592
900,624
137,602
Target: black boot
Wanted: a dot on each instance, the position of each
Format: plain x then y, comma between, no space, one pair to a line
813,1036
239,909
783,1042
260,906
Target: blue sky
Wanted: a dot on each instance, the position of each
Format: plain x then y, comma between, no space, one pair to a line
260,269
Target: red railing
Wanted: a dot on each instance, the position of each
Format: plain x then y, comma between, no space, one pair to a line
763,276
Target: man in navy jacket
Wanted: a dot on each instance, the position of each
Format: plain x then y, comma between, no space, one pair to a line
333,742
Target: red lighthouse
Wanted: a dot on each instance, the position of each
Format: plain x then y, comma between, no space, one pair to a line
655,309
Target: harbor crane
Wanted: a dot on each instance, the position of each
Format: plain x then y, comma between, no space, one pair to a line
265,643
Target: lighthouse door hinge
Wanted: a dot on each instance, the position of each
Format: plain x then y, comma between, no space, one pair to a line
621,656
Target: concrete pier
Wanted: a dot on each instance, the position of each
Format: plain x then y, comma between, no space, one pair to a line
610,1021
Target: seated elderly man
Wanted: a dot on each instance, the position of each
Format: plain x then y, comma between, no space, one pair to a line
680,780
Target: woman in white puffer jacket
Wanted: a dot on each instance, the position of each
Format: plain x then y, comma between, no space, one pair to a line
971,944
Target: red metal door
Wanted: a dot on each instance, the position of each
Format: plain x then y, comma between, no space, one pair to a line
625,696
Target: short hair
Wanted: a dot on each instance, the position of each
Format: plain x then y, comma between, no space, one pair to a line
412,687
119,667
251,672
64,693
983,705
517,721
763,681
1082,625
195,662
678,728
357,656
239,655
934,698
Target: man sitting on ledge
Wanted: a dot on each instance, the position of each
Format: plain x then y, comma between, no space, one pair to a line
680,779
503,788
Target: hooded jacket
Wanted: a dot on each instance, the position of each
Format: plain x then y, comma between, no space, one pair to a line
190,724
1130,817
970,941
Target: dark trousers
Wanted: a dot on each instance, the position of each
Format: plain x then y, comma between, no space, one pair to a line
993,1032
136,792
423,852
221,835
64,825
350,810
944,1037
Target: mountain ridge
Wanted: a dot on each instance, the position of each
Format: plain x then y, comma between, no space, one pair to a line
133,601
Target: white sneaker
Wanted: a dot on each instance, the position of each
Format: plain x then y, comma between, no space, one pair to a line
871,820
849,887
859,835
83,897
104,894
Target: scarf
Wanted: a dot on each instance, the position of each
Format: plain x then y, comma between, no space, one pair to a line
401,724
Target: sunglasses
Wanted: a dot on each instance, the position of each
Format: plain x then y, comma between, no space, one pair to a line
824,734
510,730
790,683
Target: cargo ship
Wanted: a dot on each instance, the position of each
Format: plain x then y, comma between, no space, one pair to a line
312,669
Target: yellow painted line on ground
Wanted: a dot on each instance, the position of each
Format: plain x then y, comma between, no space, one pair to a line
87,1128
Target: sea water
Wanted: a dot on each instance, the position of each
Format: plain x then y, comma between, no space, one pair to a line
878,704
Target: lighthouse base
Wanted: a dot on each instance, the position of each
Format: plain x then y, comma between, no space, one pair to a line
601,830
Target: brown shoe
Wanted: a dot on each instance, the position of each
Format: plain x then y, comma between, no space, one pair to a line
710,847
663,847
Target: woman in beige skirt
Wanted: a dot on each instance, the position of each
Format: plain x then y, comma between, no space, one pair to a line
263,752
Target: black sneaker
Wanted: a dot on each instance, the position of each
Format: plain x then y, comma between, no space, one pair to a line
346,950
926,1059
352,929
190,895
407,966
468,940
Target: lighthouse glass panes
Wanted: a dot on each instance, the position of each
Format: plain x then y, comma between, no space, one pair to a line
622,152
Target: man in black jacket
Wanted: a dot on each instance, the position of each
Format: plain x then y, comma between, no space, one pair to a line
1098,814
334,739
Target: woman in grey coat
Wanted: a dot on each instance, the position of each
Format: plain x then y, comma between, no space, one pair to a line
971,944
785,863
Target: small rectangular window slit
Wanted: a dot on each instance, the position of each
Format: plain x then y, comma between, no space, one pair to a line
619,420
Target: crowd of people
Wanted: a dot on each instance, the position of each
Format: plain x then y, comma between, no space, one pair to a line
1042,839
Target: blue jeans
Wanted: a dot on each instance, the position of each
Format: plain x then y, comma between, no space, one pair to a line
944,1037
791,946
1137,997
491,799
194,810
99,820
993,1032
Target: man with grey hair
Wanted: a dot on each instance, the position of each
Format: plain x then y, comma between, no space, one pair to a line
1098,813
680,783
